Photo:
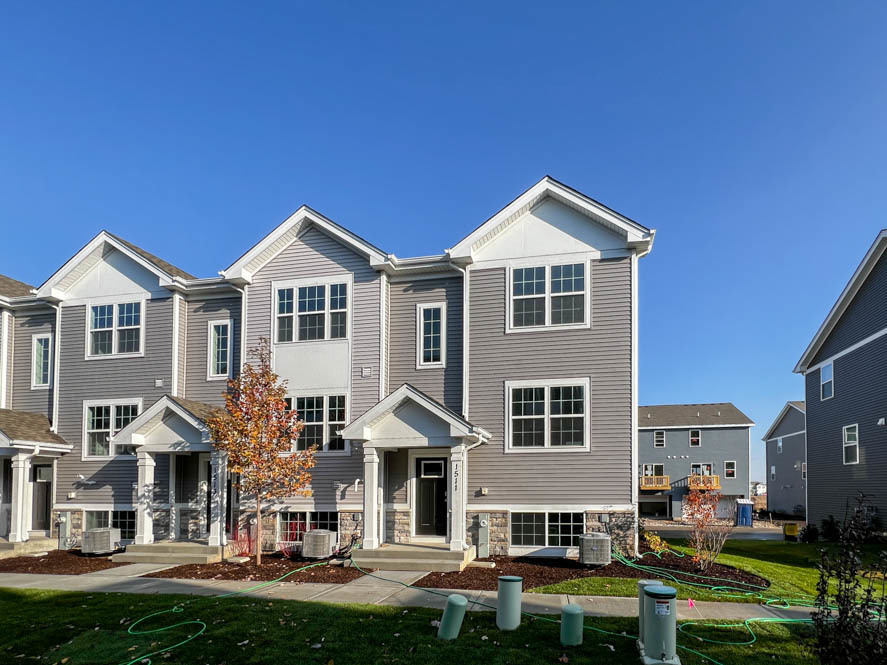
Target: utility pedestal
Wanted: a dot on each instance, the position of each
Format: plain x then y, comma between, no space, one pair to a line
658,643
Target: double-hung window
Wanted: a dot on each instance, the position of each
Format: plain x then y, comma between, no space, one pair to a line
695,438
826,381
550,415
41,369
779,446
548,296
773,472
104,421
729,469
431,335
323,416
547,529
659,438
851,444
220,349
312,312
803,470
115,329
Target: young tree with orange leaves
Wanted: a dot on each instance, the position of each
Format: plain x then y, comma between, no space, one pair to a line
259,434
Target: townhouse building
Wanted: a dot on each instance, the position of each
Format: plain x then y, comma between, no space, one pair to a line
845,375
786,452
495,382
682,447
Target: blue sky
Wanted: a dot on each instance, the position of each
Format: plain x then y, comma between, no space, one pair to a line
751,136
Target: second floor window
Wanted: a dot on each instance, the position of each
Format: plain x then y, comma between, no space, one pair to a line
104,421
431,335
773,473
695,438
308,313
659,439
701,469
826,381
323,416
115,329
220,348
779,445
548,296
803,470
551,416
654,470
729,469
42,366
851,444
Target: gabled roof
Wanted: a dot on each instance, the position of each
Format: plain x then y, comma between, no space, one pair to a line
93,252
358,429
24,427
799,406
243,269
869,261
718,414
636,235
12,288
192,412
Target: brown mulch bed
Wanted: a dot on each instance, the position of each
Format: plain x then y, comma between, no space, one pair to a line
58,562
541,572
273,566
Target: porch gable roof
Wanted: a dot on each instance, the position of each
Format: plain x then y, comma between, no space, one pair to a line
193,413
24,429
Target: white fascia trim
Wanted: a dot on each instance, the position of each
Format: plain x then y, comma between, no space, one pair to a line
856,281
788,405
634,232
850,349
40,447
99,507
420,308
551,508
784,436
548,384
645,428
49,291
209,349
237,270
127,435
383,334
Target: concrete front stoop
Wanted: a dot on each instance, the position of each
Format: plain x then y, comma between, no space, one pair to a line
169,552
35,544
428,558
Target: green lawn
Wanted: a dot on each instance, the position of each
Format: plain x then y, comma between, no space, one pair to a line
74,628
790,568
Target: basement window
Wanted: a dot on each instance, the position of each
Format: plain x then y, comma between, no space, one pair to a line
547,529
292,525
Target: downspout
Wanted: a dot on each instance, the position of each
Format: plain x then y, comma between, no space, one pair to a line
4,356
55,367
242,292
466,303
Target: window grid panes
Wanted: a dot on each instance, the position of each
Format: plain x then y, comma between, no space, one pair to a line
312,320
568,294
695,438
548,417
547,529
220,349
125,520
97,519
310,410
338,311
851,444
101,330
826,381
548,296
729,469
335,421
99,422
431,335
567,415
284,315
294,524
528,297
528,529
325,520
659,439
323,416
564,529
528,417
110,334
42,351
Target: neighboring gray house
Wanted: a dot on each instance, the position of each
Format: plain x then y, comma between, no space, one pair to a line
497,380
845,370
691,446
786,443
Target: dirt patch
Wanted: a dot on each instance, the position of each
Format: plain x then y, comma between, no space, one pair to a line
541,572
273,566
58,562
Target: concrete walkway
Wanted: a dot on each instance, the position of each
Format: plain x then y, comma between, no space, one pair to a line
374,591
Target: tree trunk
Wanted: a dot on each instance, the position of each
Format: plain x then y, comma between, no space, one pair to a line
258,531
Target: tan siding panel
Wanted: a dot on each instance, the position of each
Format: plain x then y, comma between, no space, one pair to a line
200,313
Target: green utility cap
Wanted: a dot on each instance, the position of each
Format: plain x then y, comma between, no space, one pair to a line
511,578
661,591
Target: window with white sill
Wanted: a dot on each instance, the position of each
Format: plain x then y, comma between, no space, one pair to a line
115,329
548,296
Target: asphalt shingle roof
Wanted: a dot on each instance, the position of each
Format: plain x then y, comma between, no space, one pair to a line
200,410
802,405
677,415
12,288
157,261
27,426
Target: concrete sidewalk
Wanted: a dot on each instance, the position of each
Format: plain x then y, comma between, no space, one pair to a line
373,591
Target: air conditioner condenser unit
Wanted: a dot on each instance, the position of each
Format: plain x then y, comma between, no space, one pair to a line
318,543
101,541
594,549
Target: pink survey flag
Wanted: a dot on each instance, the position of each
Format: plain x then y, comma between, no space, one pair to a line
692,604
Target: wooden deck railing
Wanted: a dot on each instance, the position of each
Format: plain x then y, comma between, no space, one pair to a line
704,482
655,483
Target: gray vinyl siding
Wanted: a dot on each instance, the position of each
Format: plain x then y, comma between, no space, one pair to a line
183,347
603,353
860,397
866,314
25,325
396,475
443,384
112,379
719,445
10,349
788,492
316,254
200,313
792,422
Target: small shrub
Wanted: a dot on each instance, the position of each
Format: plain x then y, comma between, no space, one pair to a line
831,530
707,536
809,534
851,605
655,542
241,544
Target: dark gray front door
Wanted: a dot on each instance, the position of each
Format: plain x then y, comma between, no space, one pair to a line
42,497
431,497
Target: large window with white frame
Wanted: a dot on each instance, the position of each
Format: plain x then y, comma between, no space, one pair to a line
827,381
548,296
41,353
104,420
651,470
547,415
851,444
702,469
659,438
695,438
312,312
323,416
125,520
547,529
115,329
431,335
220,349
730,469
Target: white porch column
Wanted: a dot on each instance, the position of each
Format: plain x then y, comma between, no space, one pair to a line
145,510
456,498
21,472
370,499
218,481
